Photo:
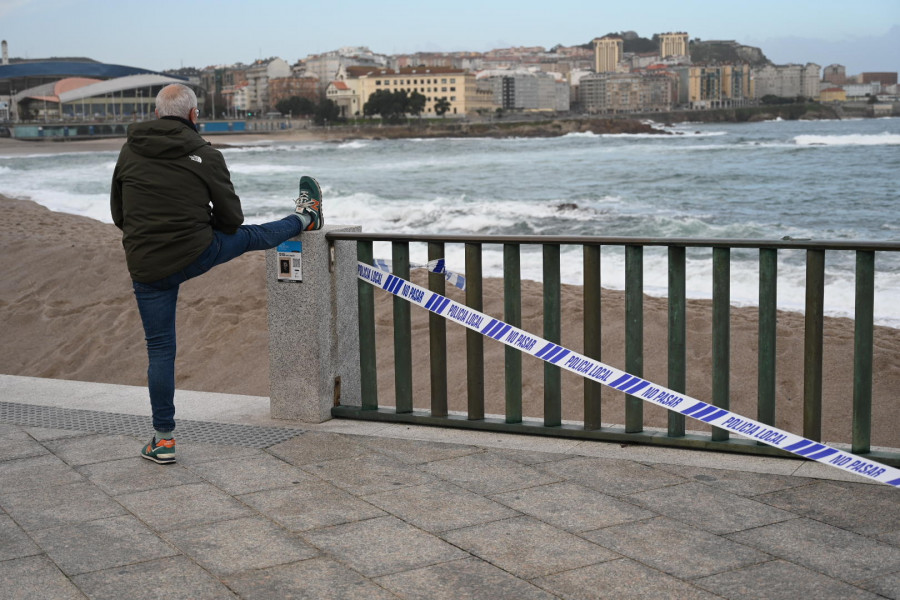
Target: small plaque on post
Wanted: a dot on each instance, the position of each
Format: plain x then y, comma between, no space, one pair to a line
290,261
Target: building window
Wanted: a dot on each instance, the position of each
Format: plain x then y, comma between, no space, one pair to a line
452,88
444,80
453,80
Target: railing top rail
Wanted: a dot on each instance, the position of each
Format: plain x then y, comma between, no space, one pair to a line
786,244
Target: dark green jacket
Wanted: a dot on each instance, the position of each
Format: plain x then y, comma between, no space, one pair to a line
170,189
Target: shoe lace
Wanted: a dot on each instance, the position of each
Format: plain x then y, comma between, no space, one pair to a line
306,203
303,201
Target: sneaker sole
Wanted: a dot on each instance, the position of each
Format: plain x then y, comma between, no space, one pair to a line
161,461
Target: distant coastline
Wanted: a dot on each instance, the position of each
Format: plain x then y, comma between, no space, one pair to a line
509,126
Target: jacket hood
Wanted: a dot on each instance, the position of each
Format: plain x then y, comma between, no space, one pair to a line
163,138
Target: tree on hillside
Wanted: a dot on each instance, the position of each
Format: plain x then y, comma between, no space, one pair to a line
327,112
441,106
295,105
390,105
416,104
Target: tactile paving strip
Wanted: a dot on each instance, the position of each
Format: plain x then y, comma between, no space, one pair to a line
203,432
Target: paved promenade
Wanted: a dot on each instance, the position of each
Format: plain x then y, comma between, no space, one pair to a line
262,509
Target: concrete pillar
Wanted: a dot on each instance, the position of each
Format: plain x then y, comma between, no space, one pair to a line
314,330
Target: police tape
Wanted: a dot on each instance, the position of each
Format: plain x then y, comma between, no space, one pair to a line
624,382
437,265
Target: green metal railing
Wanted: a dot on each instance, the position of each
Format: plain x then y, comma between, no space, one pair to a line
633,429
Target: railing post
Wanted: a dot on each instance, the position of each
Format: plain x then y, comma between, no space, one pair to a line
512,314
437,338
552,333
592,339
367,363
402,333
474,340
313,369
768,316
862,351
634,333
813,344
721,335
677,333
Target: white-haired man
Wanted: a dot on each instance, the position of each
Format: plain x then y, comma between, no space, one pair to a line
173,199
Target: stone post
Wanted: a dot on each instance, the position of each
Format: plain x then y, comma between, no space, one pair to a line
314,330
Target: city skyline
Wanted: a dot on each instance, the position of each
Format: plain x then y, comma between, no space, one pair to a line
201,33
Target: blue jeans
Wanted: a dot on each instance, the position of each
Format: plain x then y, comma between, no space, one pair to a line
156,302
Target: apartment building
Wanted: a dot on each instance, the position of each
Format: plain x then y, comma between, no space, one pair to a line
326,66
627,92
787,81
282,88
835,74
459,87
673,44
258,76
714,86
527,90
608,51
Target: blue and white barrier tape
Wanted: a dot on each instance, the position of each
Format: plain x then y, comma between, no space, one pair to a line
624,382
435,266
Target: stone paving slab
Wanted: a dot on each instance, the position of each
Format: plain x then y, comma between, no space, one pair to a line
837,503
487,473
310,506
610,476
172,577
132,475
84,449
740,483
230,547
36,577
255,473
198,504
467,579
572,507
363,475
675,548
14,542
835,552
708,508
622,579
101,544
440,506
528,548
36,472
382,546
60,505
780,580
315,579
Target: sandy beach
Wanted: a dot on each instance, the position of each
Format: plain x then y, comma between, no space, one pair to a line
69,313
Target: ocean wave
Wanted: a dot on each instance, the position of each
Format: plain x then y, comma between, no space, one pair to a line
354,145
246,169
857,139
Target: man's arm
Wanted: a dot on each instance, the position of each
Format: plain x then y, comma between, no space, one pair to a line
115,200
227,215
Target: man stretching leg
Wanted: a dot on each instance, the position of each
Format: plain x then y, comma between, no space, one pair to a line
173,199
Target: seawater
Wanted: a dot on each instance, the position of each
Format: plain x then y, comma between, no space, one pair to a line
824,180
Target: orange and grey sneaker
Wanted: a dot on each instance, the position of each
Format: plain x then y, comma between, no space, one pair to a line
309,203
162,451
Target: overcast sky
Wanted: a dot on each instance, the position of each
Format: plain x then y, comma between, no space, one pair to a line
863,35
